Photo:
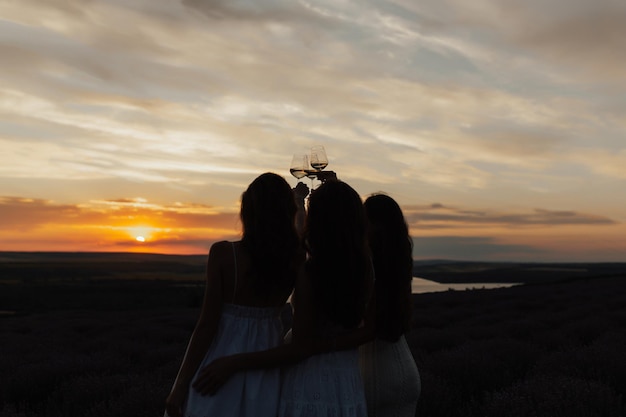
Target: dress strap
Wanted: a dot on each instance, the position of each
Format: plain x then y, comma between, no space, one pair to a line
235,259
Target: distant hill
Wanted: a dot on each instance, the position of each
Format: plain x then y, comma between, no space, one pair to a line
81,266
48,267
451,271
97,256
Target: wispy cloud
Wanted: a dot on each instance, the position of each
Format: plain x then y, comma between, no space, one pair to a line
439,216
472,248
17,213
189,100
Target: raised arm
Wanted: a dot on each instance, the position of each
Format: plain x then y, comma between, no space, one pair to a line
299,193
203,334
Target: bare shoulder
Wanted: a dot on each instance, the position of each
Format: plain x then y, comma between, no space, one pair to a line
221,245
219,251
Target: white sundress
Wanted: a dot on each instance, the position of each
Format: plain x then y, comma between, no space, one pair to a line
250,393
253,393
324,385
391,379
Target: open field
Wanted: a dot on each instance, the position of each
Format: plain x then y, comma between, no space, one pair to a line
107,341
533,350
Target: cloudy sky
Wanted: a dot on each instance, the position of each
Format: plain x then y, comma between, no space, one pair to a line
498,125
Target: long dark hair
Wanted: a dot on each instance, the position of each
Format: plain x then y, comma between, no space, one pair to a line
338,266
392,254
268,212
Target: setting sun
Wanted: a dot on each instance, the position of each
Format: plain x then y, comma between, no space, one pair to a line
141,233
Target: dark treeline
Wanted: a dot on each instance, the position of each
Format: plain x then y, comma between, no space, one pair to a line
447,271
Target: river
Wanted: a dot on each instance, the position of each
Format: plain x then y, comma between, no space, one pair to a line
421,285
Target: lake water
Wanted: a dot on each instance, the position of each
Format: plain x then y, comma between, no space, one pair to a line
421,285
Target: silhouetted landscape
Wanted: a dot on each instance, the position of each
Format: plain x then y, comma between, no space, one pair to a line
101,334
449,271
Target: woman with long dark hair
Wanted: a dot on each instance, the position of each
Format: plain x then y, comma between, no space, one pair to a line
329,303
247,284
392,381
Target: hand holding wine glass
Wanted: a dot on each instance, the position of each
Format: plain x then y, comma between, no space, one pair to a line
324,176
318,160
300,192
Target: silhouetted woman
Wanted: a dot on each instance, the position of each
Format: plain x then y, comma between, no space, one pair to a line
329,302
392,382
247,284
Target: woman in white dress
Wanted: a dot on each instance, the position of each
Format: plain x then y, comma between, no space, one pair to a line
329,302
247,284
392,381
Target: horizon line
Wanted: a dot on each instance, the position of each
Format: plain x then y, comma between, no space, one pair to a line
443,260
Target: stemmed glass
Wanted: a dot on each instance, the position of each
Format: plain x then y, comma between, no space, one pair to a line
319,161
299,166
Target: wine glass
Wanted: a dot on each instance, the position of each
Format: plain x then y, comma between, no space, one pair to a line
299,165
319,160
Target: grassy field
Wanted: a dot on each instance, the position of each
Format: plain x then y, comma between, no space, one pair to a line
91,335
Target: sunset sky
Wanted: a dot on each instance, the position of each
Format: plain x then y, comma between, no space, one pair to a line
498,125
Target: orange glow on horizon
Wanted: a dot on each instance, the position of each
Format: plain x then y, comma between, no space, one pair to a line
41,225
142,233
114,226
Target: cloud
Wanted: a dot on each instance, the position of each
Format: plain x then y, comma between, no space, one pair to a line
17,213
603,162
591,40
581,39
201,93
471,248
262,11
438,216
189,100
515,141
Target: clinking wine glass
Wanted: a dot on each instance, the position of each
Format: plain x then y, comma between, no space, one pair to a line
319,161
299,166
